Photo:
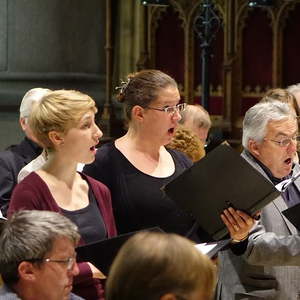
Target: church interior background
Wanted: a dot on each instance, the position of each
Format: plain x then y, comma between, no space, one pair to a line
92,45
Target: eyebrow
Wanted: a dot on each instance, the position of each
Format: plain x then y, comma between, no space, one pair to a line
286,135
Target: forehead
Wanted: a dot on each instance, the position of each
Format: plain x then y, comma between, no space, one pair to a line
62,246
169,95
283,127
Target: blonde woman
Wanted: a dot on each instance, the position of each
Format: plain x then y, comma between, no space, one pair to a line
64,123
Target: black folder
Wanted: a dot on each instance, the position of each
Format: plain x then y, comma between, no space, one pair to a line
293,215
221,179
102,253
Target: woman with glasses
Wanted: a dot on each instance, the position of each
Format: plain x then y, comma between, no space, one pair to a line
137,165
64,123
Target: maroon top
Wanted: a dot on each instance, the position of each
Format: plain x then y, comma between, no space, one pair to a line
33,193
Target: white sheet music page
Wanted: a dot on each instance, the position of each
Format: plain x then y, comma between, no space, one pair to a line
205,247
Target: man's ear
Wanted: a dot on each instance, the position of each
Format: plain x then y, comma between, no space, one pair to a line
168,296
254,148
23,123
56,138
27,271
137,113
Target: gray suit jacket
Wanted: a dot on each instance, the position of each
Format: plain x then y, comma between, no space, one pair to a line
269,269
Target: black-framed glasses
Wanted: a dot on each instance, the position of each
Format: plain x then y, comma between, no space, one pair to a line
170,109
69,262
286,141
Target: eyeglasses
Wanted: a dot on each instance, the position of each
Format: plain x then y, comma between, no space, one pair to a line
285,142
69,262
171,109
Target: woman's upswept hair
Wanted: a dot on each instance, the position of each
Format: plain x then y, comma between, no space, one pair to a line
142,88
58,111
151,265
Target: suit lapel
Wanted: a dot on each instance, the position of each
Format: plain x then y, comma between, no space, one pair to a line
279,202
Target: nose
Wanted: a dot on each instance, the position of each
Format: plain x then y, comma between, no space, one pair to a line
98,133
75,270
292,148
177,116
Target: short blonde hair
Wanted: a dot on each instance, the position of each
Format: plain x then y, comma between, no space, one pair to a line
58,111
151,265
187,142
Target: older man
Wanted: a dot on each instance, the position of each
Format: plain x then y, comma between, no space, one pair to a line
196,119
269,269
37,257
15,157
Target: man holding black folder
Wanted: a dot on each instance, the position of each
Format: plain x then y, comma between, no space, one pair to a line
269,269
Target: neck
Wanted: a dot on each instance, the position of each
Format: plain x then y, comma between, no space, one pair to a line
139,142
25,292
61,168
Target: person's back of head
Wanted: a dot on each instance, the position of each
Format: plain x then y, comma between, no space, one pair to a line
197,119
187,142
30,99
281,95
295,90
28,236
157,266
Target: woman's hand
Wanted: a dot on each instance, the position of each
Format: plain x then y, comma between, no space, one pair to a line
96,272
238,223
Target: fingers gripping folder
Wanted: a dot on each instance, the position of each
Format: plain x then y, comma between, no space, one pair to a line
222,178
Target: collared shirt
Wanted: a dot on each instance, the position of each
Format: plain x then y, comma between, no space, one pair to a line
7,294
292,195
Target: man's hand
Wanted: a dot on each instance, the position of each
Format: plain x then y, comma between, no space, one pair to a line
238,223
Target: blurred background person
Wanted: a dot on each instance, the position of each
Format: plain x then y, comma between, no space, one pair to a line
64,123
186,141
37,257
295,90
173,269
15,157
282,95
197,119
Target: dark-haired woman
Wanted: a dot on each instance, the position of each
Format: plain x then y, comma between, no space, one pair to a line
137,165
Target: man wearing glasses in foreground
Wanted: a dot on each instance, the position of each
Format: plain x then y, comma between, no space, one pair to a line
37,257
269,268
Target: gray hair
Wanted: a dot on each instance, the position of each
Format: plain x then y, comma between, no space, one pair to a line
198,116
294,88
30,235
258,116
31,97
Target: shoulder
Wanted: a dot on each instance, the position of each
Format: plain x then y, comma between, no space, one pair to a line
75,297
180,157
7,294
105,159
106,151
93,182
29,187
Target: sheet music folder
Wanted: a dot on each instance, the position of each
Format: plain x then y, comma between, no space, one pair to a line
102,253
293,215
221,179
